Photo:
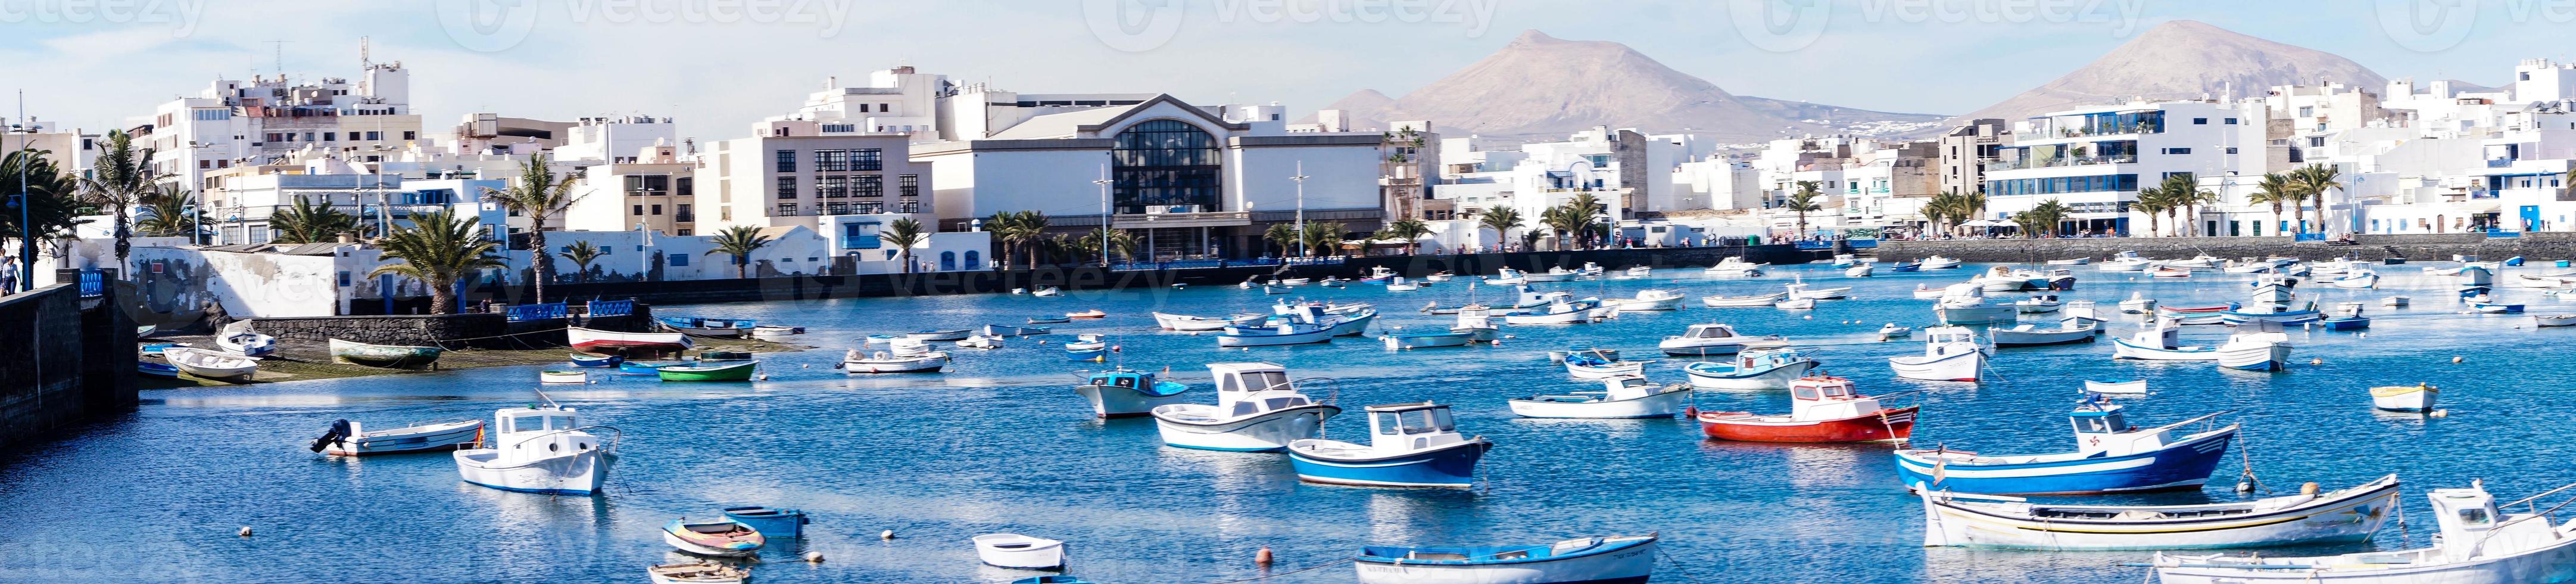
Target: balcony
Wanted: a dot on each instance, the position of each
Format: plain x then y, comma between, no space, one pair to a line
2060,162
2500,163
1181,219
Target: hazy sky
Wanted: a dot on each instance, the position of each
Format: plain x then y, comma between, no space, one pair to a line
720,64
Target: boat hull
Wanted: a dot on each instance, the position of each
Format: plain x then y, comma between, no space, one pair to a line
2012,338
1267,432
1777,377
2266,357
1985,314
1272,340
1632,565
448,436
2182,465
1883,426
1965,366
2348,519
1452,466
738,372
2556,563
580,473
1661,405
1120,402
2123,349
2409,400
900,365
1428,341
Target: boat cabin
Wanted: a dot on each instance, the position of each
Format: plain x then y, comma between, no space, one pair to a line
1402,428
2469,516
1709,331
1137,381
2163,334
1827,398
1627,387
2102,427
1949,340
538,432
1244,389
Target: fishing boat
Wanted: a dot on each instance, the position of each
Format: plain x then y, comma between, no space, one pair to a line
2042,303
595,360
1257,410
1734,266
1798,290
1399,284
775,332
2493,308
1892,331
563,377
211,364
708,327
2072,330
1124,393
2160,341
2111,457
1410,445
1004,330
698,573
539,449
1507,277
1653,299
724,538
1274,334
1905,267
1048,292
2127,261
1627,396
1087,314
2401,398
1019,552
1795,304
2347,317
1844,260
396,356
2347,515
939,335
726,372
2070,262
238,338
1723,301
2255,350
2006,279
640,368
1707,339
2553,320
2271,289
1432,338
1821,409
1966,304
1950,354
2478,543
2474,275
2269,313
982,342
1859,271
599,341
346,438
2138,303
1600,366
1621,560
893,362
1562,311
1940,263
1772,368
770,522
2357,279
1050,319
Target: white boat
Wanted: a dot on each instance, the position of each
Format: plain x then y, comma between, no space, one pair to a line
2553,320
1455,337
1844,260
2071,330
2160,341
987,342
2249,266
539,449
2127,261
1966,304
2041,303
1527,297
1257,410
1439,277
1274,334
1600,366
1940,263
1187,323
2071,262
1859,271
2347,515
238,338
1087,342
722,538
211,364
1019,552
563,377
2356,279
1795,304
698,572
1589,559
1556,274
2138,303
2198,262
1508,276
2393,301
1752,370
1722,301
1410,445
2400,398
1293,282
1637,272
1701,340
1652,299
2478,543
2138,387
1892,331
1926,292
888,362
1047,292
1399,284
1560,312
1951,354
1121,393
2474,275
1735,266
2006,279
1626,396
2255,351
1798,290
346,438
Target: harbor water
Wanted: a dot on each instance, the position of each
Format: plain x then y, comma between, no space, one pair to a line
1001,443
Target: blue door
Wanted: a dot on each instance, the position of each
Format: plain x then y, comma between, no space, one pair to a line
2530,217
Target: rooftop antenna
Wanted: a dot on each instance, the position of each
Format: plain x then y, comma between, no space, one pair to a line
363,61
281,57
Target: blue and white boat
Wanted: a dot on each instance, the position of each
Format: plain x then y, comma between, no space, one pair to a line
709,327
1087,355
1410,445
2347,317
2266,313
2160,341
2492,308
1587,560
1005,330
1753,369
597,360
1282,333
636,368
2111,457
1257,410
1456,337
1906,267
156,369
770,522
1128,393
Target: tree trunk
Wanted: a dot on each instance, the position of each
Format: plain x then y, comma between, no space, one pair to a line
907,260
545,262
442,298
741,267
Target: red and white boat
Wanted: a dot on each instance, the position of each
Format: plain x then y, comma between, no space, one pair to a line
1087,314
2169,272
1822,409
596,341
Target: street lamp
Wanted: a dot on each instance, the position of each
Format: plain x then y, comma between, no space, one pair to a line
1300,179
1104,214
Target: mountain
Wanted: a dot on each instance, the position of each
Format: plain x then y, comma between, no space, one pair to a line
1540,86
2184,59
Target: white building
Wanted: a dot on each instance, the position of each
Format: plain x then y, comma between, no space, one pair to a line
1632,174
233,122
2096,159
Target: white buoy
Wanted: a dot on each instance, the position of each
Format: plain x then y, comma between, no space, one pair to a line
887,534
814,557
806,366
245,531
764,377
2245,486
2436,413
2456,360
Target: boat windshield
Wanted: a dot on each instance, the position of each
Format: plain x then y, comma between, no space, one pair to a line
1803,392
1417,422
538,422
1264,380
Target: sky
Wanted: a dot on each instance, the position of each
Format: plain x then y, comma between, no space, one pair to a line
719,65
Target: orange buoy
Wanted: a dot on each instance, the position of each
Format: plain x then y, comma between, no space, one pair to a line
1262,557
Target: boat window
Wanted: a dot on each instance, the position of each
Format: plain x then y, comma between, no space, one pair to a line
1440,420
1281,403
1803,392
1837,390
1264,380
2476,516
1245,408
1385,425
1126,381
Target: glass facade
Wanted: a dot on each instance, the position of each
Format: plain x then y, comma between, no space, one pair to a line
1166,163
2069,184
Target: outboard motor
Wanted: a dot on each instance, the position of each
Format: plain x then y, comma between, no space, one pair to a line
338,433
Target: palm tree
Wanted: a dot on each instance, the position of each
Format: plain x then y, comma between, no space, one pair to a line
53,209
2042,218
166,214
1321,236
2151,202
2182,193
739,241
1502,220
903,234
539,196
2316,180
1283,234
1971,204
1005,228
1938,208
1585,209
310,223
1118,240
2276,189
438,249
1803,203
119,179
1564,221
581,253
1409,231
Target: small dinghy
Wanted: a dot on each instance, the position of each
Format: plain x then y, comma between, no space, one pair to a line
2110,457
1653,300
2071,262
1410,445
1950,354
1892,331
1188,323
770,522
2479,541
638,368
2404,398
983,342
1004,330
1587,559
2160,341
2553,320
886,362
1399,284
1087,314
2347,317
597,360
1257,410
346,438
547,453
1128,393
1905,267
390,356
593,340
939,335
1822,409
698,573
1059,319
1047,292
1755,301
1795,304
723,538
708,327
1940,263
1598,366
557,376
2138,303
1439,276
727,372
1019,552
2072,330
1620,397
1455,337
156,369
211,364
1772,368
1966,304
2492,308
775,332
2138,387
238,338
1087,342
2310,517
1859,271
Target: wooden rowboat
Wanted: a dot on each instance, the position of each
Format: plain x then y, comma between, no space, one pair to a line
727,372
383,355
211,364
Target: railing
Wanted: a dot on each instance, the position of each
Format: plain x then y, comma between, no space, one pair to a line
2059,162
611,307
529,312
2500,163
1176,265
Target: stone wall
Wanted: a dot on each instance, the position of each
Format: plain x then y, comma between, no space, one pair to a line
2426,247
454,331
71,358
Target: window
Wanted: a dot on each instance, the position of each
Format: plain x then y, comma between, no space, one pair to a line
786,187
648,185
2231,150
680,260
871,185
683,213
2308,111
657,209
860,236
410,135
639,210
2200,121
787,161
2317,142
2177,150
786,209
831,160
344,278
330,136
685,186
724,213
832,187
948,261
869,159
1165,163
2231,121
908,185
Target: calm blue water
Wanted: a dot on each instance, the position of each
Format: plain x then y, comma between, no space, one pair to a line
1002,444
